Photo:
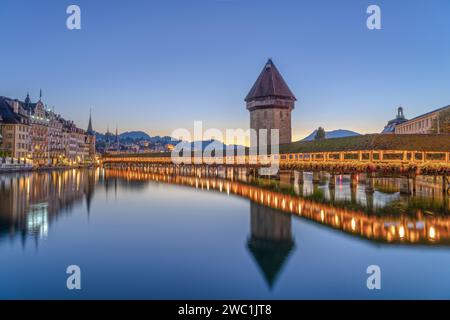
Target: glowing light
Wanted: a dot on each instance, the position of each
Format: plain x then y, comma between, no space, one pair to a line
393,231
401,231
353,223
432,233
322,215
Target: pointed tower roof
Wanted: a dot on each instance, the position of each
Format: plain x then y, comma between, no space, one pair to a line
270,83
89,129
270,256
27,99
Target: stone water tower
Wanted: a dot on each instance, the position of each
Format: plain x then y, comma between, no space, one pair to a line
270,102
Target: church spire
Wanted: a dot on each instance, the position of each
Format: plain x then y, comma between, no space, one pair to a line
117,139
27,99
40,94
89,130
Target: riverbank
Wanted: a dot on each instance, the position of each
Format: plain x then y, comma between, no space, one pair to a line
26,168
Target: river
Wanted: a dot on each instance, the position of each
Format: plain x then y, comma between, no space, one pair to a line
140,235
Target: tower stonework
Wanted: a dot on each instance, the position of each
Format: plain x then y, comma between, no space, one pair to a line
270,102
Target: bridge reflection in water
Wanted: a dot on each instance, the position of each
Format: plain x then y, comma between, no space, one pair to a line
391,219
30,202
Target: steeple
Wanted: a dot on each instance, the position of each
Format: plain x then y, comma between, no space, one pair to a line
27,99
117,139
270,83
89,129
40,94
400,114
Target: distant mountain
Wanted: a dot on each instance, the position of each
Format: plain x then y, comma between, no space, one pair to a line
333,134
134,135
217,145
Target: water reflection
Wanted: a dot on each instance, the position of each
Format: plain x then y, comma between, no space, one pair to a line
270,241
379,217
30,201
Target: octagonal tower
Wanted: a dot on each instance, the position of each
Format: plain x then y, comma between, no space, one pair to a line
270,102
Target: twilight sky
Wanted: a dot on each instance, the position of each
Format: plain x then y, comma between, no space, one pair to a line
158,65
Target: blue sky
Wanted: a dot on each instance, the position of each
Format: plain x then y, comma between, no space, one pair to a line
159,65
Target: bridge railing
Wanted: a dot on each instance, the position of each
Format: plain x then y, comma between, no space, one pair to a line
365,156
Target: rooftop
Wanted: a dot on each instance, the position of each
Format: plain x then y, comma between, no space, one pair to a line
270,83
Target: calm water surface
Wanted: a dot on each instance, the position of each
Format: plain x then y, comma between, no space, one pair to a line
139,235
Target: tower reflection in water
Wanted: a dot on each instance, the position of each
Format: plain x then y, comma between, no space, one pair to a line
31,202
270,240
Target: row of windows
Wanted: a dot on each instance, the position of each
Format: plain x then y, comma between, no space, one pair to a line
22,154
23,146
422,125
23,128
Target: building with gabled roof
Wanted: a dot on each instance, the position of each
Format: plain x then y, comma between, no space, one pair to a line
15,129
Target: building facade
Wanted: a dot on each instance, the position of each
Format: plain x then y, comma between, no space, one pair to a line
15,129
55,139
40,122
270,102
423,124
33,132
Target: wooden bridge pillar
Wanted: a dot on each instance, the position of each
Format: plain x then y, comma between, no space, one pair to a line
446,185
332,181
353,195
369,201
298,177
285,177
370,183
316,177
353,180
405,186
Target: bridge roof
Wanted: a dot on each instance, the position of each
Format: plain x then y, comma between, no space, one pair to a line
270,83
413,142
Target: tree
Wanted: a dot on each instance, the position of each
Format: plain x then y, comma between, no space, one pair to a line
442,123
320,134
